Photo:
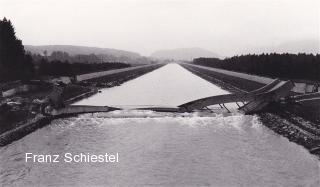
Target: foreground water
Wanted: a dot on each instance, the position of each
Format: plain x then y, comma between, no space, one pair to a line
165,149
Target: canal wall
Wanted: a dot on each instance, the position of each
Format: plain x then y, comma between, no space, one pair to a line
24,129
253,81
109,79
95,75
228,80
259,79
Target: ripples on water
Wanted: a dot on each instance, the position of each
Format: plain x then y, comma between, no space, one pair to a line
161,149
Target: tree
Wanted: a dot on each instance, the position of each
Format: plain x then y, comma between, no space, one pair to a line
45,52
14,64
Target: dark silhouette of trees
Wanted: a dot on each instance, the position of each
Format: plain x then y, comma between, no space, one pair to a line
287,66
62,64
79,58
14,64
59,68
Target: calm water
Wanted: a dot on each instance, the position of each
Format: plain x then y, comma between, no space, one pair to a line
170,85
162,149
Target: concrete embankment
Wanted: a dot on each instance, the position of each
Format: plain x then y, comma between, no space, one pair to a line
290,122
107,79
299,87
24,129
235,81
104,79
90,76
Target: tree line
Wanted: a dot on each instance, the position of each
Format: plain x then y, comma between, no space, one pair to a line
286,66
64,56
17,64
59,68
60,63
91,58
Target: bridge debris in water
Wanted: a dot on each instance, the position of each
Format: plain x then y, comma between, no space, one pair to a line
255,101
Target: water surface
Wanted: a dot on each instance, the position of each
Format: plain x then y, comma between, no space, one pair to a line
160,149
169,85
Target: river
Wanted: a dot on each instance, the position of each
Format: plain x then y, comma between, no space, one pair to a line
163,149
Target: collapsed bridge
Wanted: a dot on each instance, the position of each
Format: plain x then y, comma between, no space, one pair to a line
253,101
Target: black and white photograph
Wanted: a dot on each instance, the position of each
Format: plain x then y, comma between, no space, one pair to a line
222,93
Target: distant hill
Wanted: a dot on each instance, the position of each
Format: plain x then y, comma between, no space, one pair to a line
107,54
183,53
80,50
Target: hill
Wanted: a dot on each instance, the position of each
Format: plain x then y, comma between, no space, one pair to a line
106,54
80,50
183,53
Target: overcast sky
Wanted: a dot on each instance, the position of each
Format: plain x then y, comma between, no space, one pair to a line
226,27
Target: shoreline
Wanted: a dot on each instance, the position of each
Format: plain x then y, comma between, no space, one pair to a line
278,119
